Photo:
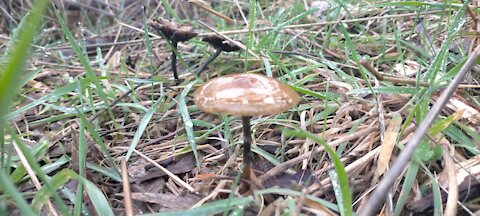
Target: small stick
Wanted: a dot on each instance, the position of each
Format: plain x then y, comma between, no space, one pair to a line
175,178
127,194
203,5
471,14
33,176
380,76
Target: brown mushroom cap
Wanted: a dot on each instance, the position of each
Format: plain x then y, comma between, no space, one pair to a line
220,43
245,95
172,30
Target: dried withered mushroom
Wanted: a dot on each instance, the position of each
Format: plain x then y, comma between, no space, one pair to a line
175,33
220,44
245,95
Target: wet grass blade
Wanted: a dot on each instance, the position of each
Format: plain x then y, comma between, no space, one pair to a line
439,62
38,171
344,188
82,155
212,208
407,186
14,60
355,57
100,203
187,121
53,95
98,139
86,65
9,189
142,126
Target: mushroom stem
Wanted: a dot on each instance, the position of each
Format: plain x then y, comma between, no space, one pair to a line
209,60
247,142
174,62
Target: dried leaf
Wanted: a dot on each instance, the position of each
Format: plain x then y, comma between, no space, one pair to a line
470,114
389,143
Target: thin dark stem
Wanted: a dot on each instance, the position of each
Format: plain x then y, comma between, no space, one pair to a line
247,142
174,62
209,60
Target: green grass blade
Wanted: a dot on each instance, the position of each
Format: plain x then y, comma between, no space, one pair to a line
53,95
336,190
271,158
355,57
170,10
346,196
15,58
82,155
10,189
407,186
416,4
93,132
385,90
141,127
38,171
212,208
187,121
44,194
320,95
442,124
96,196
462,138
100,203
38,151
106,171
86,64
437,195
439,62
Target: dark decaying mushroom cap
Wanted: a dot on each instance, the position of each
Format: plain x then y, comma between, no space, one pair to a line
245,95
220,43
173,31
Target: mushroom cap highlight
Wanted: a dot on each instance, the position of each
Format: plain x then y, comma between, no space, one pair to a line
245,95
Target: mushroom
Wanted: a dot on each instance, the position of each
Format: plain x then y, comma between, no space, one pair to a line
220,44
175,33
245,95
